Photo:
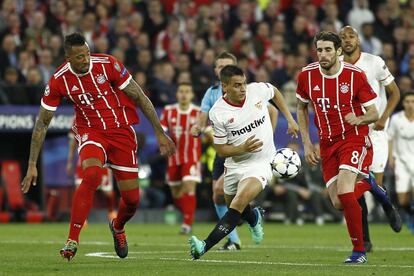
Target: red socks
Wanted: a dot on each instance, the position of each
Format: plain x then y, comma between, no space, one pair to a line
187,205
353,217
83,200
128,205
360,188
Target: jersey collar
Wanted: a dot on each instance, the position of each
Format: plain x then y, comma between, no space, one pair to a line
81,75
235,105
341,64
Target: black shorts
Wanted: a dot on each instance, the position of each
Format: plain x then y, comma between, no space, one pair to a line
218,167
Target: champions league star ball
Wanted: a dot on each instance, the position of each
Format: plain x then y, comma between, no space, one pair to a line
286,163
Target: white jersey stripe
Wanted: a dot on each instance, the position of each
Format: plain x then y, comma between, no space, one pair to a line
80,108
177,156
339,108
352,96
61,71
314,103
97,111
116,96
326,116
106,102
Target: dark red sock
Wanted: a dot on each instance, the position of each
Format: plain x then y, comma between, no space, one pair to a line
353,217
360,188
189,207
83,200
128,205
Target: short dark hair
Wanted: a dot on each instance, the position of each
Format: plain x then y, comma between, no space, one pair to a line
227,55
229,71
74,39
406,94
328,36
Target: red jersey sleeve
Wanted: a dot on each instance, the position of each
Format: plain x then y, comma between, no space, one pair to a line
118,75
364,92
51,97
163,119
301,92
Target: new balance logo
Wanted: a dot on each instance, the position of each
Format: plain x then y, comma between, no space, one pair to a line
316,88
74,88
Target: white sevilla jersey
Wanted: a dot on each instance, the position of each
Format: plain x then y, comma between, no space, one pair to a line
401,132
378,77
233,124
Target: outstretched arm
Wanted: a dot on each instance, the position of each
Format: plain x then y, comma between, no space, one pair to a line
38,137
200,124
134,91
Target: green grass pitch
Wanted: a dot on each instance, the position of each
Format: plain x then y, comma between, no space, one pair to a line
159,250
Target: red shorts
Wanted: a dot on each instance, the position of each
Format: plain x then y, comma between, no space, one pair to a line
183,172
353,154
118,146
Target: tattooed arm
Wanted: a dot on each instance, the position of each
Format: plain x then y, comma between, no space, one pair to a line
134,91
38,137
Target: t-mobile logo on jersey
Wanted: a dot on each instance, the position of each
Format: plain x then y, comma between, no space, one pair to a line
249,127
323,103
85,98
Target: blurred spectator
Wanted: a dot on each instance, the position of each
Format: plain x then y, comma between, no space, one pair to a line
38,31
369,43
70,23
360,14
14,91
87,28
405,84
7,7
101,45
183,64
214,32
400,43
8,53
136,23
165,38
282,75
119,29
103,19
55,45
34,85
387,50
155,20
14,29
26,61
143,61
244,64
261,41
46,67
162,86
261,75
205,73
274,56
383,25
190,32
297,33
331,17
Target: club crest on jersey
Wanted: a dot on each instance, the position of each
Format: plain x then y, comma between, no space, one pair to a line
47,90
100,78
231,120
259,105
84,137
344,88
117,67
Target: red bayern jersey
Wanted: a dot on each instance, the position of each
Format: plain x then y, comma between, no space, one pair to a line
97,95
333,97
178,123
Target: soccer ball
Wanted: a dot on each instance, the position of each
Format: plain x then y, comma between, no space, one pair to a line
286,163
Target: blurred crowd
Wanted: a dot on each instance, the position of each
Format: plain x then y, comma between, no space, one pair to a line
163,42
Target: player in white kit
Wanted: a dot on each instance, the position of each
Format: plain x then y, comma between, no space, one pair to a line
243,135
382,83
401,157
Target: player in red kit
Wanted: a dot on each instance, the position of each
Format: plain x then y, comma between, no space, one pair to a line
339,92
184,169
104,96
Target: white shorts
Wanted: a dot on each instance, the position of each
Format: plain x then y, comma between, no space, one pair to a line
106,184
379,141
404,178
232,177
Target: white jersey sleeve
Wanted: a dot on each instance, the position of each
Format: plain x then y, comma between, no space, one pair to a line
382,73
220,132
263,89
